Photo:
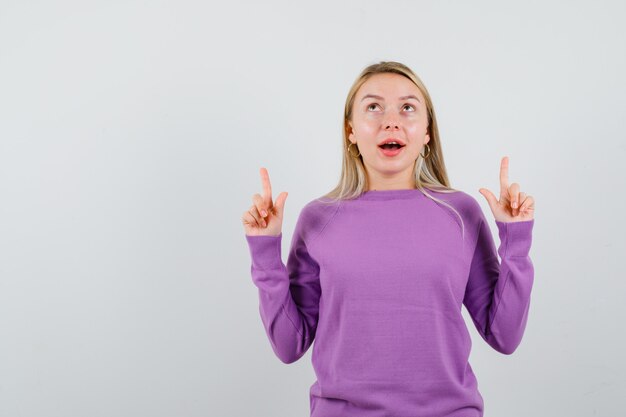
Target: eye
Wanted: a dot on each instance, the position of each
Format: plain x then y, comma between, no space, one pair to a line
406,105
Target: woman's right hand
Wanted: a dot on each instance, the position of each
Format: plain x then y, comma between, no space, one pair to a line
265,218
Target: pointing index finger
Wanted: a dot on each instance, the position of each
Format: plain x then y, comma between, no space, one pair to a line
267,188
504,175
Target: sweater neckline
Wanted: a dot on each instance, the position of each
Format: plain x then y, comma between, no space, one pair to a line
405,193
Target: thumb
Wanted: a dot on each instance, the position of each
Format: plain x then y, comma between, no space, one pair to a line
490,197
280,202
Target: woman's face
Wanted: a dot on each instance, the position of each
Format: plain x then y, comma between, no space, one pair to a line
384,109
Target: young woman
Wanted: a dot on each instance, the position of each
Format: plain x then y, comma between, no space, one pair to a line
379,268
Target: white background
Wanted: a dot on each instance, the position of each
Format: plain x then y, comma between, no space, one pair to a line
131,137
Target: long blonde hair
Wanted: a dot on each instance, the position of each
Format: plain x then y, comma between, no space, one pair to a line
430,173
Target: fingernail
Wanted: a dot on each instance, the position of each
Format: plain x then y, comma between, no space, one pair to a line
263,213
514,204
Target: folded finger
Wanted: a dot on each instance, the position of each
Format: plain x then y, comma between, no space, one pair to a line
260,204
257,217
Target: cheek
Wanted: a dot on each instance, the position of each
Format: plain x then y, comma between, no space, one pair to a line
416,129
367,127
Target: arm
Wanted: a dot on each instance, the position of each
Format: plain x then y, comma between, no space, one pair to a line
498,293
288,295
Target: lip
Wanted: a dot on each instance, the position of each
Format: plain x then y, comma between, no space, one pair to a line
399,141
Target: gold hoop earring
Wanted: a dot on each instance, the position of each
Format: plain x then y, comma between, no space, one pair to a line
351,154
428,151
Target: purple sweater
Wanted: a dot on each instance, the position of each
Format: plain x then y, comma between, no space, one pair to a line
378,282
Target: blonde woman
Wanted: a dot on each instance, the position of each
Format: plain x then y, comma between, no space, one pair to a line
379,268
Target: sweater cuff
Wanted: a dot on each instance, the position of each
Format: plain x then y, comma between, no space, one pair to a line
265,251
516,236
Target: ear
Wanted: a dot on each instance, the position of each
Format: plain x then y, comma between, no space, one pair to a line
351,134
427,138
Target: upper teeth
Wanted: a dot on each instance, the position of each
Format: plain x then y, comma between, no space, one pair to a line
387,143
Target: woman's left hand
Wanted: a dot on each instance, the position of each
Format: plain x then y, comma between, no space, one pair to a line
513,206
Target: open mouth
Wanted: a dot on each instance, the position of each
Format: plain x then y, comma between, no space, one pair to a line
391,146
391,150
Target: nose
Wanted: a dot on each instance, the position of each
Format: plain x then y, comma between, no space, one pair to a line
391,122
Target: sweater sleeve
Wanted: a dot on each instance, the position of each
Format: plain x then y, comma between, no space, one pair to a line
497,296
288,295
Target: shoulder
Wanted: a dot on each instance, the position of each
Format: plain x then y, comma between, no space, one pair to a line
315,215
466,205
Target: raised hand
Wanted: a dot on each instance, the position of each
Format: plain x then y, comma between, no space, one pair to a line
513,205
265,218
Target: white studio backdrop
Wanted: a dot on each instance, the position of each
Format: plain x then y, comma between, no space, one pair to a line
131,137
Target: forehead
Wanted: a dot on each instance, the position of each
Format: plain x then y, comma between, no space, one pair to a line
390,86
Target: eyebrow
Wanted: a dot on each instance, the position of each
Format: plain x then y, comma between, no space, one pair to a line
380,98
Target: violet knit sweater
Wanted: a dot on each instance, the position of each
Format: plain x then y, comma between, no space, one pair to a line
378,283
